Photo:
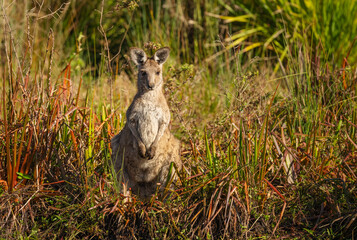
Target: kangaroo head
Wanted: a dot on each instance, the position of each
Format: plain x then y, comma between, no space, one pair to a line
150,69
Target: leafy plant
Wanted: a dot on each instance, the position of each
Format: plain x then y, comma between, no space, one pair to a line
275,27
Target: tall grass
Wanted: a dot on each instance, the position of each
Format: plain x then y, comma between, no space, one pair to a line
268,153
271,27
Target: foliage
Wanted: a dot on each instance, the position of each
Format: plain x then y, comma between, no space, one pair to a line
279,26
268,152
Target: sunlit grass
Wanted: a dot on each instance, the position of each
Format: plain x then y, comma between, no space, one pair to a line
269,148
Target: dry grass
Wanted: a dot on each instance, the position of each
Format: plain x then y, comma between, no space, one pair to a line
266,155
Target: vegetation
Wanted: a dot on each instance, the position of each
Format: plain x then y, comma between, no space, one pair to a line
263,97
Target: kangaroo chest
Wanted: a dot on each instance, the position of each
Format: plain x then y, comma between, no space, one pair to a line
148,118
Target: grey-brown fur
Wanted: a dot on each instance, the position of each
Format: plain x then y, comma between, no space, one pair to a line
145,147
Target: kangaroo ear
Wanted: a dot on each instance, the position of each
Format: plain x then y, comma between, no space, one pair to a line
138,56
161,55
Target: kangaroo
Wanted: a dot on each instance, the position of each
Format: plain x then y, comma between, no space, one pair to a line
145,148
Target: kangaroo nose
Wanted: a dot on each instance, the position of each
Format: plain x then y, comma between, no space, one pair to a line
151,86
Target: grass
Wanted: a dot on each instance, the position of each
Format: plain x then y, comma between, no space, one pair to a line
268,132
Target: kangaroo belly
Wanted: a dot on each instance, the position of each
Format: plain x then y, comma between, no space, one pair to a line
148,127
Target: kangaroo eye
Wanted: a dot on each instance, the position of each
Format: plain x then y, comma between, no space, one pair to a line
143,73
158,73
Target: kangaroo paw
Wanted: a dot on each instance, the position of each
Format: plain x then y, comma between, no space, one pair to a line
150,153
142,150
